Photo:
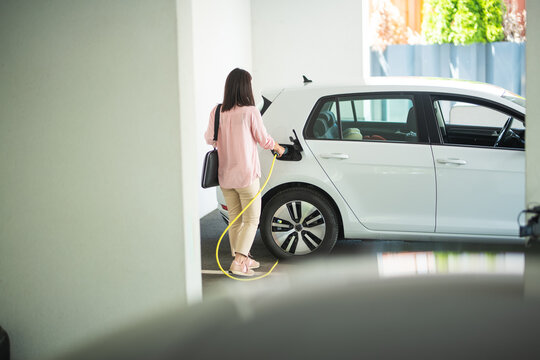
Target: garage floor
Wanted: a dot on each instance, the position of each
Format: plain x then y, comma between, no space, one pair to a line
482,257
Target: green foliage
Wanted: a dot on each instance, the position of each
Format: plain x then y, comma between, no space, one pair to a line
463,21
438,16
468,26
494,11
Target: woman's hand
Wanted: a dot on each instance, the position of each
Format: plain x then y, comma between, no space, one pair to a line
279,149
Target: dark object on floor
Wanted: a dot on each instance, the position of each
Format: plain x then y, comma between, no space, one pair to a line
4,345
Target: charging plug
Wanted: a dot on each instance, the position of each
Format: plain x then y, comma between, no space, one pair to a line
286,147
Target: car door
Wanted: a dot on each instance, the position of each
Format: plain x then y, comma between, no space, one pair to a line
376,153
480,187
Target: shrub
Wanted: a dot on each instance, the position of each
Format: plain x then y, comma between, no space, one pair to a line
468,26
463,21
494,11
438,17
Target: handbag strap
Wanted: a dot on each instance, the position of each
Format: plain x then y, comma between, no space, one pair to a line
216,121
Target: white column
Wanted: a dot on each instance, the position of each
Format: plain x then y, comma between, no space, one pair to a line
532,150
189,162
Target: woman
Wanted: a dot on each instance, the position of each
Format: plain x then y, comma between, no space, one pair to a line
240,130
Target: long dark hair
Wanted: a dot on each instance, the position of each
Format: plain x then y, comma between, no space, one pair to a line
238,90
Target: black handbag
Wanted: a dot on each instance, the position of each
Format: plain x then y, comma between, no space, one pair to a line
211,163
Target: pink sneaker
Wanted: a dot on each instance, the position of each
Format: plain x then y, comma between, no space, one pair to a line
253,264
241,269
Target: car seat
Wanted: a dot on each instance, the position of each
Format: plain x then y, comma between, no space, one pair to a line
320,128
352,134
411,120
325,126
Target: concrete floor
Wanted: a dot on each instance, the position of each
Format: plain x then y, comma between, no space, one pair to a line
214,282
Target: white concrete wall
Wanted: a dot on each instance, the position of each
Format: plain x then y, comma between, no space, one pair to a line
532,151
90,224
221,42
318,38
277,41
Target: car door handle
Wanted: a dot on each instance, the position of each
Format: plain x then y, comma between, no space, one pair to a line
452,161
335,156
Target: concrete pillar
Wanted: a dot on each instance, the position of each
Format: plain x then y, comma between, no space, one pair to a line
532,137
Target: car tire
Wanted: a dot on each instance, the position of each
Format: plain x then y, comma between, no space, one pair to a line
298,222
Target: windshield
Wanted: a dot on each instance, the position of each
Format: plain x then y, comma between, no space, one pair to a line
515,98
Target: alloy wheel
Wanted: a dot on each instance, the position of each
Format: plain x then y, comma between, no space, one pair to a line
298,227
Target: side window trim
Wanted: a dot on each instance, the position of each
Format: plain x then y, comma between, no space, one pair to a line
354,111
429,119
338,115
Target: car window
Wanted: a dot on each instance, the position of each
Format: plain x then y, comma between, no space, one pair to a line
363,118
378,119
469,123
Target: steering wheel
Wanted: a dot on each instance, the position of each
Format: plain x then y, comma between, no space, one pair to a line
504,131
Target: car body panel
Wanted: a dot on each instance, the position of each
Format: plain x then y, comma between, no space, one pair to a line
288,172
389,186
484,194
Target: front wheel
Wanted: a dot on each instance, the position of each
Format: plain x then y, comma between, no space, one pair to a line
298,221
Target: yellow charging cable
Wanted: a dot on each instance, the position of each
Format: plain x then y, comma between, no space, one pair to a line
232,222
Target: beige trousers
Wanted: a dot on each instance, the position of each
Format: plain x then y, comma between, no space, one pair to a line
242,232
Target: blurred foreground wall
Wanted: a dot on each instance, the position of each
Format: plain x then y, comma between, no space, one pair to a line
91,227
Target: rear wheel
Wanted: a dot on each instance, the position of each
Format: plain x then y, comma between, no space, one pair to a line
298,222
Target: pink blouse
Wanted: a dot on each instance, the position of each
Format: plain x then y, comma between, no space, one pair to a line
240,130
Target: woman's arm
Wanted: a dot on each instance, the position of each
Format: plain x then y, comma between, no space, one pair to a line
261,135
209,134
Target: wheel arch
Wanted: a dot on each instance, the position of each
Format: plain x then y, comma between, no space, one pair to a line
274,191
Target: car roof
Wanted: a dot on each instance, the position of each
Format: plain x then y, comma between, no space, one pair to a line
403,83
313,91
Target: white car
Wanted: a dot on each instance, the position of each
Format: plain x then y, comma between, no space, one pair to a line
393,159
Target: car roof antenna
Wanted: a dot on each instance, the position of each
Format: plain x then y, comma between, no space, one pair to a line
306,80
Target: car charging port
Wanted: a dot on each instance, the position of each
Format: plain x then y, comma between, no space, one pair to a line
293,152
532,228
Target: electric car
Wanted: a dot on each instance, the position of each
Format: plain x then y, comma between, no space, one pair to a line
392,159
